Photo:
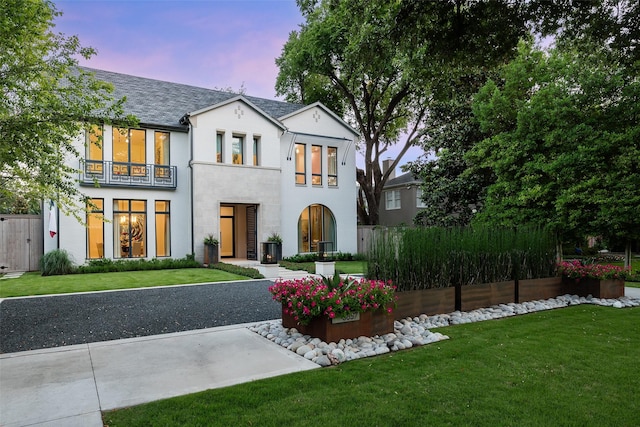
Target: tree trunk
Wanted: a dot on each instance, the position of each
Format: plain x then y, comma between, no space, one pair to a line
627,254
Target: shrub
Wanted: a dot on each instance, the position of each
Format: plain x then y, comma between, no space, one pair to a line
106,265
236,269
56,263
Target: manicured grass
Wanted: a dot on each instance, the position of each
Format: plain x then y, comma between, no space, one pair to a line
35,284
342,267
573,366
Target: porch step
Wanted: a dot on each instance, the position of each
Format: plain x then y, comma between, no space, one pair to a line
283,273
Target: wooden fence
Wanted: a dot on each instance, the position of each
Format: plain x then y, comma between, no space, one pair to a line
21,242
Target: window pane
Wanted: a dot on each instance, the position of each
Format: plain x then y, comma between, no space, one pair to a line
237,148
256,143
163,232
95,230
303,231
316,165
120,145
301,171
129,228
94,143
161,149
137,146
219,148
332,166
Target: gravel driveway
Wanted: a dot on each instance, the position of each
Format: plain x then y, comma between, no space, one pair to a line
43,322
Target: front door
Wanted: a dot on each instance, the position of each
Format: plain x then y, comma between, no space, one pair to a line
227,232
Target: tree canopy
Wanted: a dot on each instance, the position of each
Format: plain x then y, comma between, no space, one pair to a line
46,102
382,63
565,141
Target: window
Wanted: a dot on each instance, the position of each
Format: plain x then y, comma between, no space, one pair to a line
332,164
94,157
237,143
301,164
316,223
163,229
161,155
95,229
392,199
129,152
256,147
316,165
129,228
219,148
419,202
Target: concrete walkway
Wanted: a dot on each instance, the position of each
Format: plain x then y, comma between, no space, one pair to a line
70,386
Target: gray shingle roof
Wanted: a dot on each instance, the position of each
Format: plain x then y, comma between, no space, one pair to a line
160,103
405,178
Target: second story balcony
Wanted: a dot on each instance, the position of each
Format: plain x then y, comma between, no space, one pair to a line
118,174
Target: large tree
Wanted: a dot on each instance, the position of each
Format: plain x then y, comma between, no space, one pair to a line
380,62
45,102
565,144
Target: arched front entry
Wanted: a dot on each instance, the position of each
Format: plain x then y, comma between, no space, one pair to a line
316,223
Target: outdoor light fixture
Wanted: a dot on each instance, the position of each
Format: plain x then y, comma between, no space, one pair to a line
269,252
325,249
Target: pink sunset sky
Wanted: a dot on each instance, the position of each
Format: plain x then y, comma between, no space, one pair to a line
215,44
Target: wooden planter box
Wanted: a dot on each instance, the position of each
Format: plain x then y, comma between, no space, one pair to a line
371,323
536,289
607,288
427,301
486,295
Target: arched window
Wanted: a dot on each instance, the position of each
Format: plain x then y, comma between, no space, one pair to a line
316,223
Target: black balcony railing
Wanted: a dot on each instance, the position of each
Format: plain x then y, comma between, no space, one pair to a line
107,173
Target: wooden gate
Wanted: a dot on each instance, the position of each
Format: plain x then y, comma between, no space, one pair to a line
21,242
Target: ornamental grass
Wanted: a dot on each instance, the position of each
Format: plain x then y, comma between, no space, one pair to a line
307,298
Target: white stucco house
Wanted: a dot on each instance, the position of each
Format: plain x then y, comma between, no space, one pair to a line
206,162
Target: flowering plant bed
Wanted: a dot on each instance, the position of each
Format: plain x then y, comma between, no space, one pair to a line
577,270
309,298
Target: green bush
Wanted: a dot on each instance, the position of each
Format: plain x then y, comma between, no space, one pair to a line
105,265
236,269
335,256
56,263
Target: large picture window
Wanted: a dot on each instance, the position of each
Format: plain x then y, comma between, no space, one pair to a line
316,165
316,223
129,152
129,228
332,166
95,229
163,229
301,164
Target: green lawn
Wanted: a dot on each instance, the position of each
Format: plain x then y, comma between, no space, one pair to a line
35,284
574,366
342,267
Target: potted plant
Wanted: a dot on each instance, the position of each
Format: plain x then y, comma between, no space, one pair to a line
211,249
598,280
275,238
333,309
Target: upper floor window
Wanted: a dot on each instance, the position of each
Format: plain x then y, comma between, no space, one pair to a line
129,146
93,141
316,165
219,148
256,150
332,166
419,202
161,148
392,198
237,143
301,164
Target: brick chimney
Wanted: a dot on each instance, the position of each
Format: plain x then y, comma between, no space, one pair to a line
385,166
